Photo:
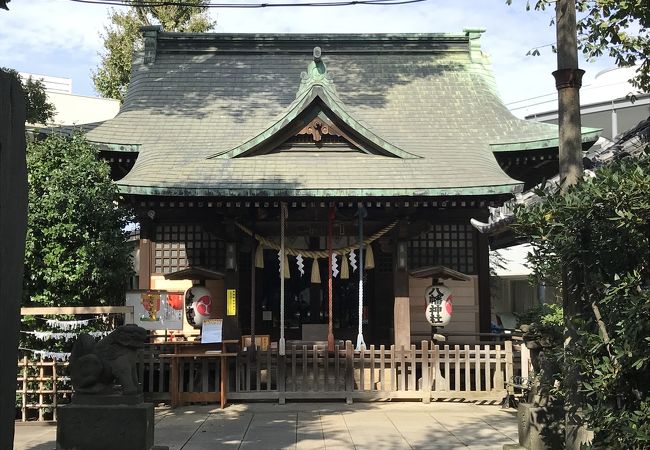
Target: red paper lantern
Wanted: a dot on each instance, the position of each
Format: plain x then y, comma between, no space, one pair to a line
175,301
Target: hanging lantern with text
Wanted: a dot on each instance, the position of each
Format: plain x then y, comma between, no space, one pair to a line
438,305
198,305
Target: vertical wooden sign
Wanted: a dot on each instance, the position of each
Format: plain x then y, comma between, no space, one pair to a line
231,302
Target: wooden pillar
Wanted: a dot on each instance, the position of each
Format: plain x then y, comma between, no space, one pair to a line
147,231
484,299
231,325
402,321
253,347
402,305
13,224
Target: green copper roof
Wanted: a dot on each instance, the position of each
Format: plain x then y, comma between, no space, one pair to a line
316,94
589,135
204,110
296,192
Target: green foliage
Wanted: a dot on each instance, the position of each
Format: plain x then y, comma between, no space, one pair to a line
616,381
76,251
619,28
602,226
38,109
546,314
122,38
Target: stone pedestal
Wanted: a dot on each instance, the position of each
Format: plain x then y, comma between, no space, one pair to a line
105,427
540,427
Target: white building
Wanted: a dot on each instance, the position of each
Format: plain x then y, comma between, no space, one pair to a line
73,109
610,102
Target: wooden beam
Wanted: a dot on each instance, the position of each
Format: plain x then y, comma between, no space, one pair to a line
55,310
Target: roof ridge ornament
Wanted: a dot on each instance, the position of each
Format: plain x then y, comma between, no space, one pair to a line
150,35
316,75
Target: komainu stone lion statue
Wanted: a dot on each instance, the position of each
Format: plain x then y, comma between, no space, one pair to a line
95,367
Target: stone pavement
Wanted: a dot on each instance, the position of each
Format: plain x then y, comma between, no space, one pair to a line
377,425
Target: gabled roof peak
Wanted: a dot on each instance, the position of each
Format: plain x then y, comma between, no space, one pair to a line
316,97
316,75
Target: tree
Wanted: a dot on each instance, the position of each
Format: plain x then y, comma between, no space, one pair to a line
619,28
602,226
76,251
122,37
38,109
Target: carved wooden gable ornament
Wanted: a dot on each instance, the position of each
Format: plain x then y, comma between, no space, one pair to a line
319,127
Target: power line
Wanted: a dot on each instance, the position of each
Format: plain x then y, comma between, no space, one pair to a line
249,5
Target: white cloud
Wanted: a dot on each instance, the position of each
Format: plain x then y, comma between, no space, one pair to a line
41,26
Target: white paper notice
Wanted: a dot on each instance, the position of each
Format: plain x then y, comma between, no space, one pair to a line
211,331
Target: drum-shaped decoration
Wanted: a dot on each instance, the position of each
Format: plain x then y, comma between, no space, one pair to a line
438,305
198,305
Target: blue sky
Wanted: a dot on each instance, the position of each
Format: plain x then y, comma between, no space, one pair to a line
61,38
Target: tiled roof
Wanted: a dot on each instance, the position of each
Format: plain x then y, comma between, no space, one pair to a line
631,143
431,96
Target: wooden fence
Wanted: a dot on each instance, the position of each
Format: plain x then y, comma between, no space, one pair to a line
42,384
426,372
437,372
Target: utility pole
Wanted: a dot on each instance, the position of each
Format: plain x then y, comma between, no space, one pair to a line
568,79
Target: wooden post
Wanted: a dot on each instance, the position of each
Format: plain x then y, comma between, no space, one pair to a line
426,382
13,223
282,378
510,366
231,326
144,274
402,322
25,371
283,217
402,305
349,372
525,361
223,378
484,298
253,346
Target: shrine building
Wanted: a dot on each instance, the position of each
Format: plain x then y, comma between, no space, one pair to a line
230,147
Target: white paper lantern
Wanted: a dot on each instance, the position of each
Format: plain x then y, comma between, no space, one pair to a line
438,305
198,305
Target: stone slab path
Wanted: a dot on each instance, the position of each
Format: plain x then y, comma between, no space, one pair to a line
378,425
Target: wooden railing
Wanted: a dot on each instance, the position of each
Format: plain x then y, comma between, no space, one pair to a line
426,372
311,372
154,372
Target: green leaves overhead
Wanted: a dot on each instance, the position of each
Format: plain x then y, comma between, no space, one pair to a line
618,28
122,38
